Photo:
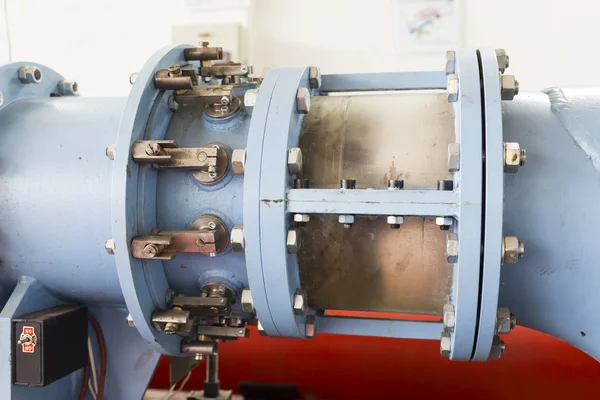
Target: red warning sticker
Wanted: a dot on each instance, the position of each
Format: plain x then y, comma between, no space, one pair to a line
28,339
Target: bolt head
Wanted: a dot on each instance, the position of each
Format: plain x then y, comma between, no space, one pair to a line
310,327
133,77
504,321
314,77
130,322
169,295
449,317
294,160
301,218
452,247
29,74
509,87
514,157
395,220
150,250
446,344
450,62
303,100
498,348
237,238
172,104
110,152
452,88
261,330
346,219
293,241
238,161
110,246
453,157
247,303
250,100
512,249
503,60
300,302
68,88
171,328
444,221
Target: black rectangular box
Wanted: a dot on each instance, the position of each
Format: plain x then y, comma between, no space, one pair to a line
49,344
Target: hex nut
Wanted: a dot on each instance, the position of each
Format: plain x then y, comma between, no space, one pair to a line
294,160
449,317
514,157
346,219
303,100
129,320
450,62
247,302
509,87
395,220
110,152
452,88
300,302
29,74
314,77
301,218
444,221
261,330
250,98
452,247
498,348
446,344
110,246
310,327
453,157
505,321
503,60
237,238
238,161
172,104
68,88
512,249
293,241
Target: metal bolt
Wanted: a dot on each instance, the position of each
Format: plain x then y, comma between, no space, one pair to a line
237,238
505,321
238,161
152,149
212,171
394,184
453,157
110,152
314,77
452,248
68,88
444,222
169,295
294,160
445,185
347,220
300,302
244,70
212,254
303,100
110,246
512,249
1,98
348,184
174,70
151,250
129,320
247,302
250,98
395,221
449,317
509,87
301,218
224,100
310,327
261,330
171,328
514,157
29,74
214,310
133,77
172,104
503,60
452,88
301,183
293,241
498,348
450,62
199,357
212,225
446,344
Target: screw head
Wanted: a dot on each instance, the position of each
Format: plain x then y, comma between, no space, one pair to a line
314,77
303,100
452,88
512,249
446,344
29,74
68,88
110,246
300,302
130,322
294,161
150,250
311,326
212,225
110,151
449,318
238,161
452,248
293,241
247,303
238,242
250,98
171,328
509,87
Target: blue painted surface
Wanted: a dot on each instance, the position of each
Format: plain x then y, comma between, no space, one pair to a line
468,127
551,204
494,197
383,81
380,327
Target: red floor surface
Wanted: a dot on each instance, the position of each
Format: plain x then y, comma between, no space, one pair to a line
535,366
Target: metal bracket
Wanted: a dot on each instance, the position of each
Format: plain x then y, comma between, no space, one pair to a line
206,94
166,154
203,306
226,70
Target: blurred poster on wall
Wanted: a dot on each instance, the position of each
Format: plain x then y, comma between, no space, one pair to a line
425,25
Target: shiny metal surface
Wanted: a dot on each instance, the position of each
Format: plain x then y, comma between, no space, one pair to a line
375,138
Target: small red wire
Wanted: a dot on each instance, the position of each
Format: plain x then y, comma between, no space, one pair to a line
84,385
102,346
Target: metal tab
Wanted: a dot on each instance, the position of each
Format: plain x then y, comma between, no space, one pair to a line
204,306
226,69
166,154
208,94
222,332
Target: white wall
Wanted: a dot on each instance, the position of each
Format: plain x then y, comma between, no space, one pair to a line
99,43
